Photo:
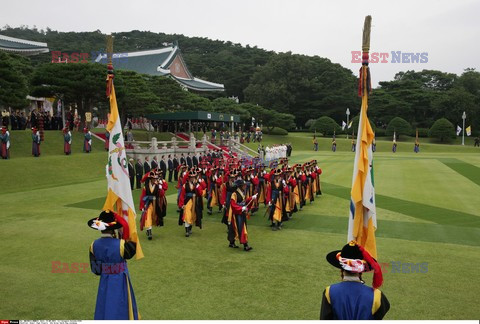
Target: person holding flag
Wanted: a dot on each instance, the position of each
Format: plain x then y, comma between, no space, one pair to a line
107,139
115,299
334,142
416,149
35,142
394,147
108,259
354,145
67,140
5,143
87,141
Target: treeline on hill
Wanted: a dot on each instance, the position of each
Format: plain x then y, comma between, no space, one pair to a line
280,89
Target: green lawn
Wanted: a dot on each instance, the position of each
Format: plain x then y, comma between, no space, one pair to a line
427,212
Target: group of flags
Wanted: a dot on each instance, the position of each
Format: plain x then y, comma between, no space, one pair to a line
468,130
344,124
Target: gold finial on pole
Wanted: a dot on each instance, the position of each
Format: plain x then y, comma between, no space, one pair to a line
366,34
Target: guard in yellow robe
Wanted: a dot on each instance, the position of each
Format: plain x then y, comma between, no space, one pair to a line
188,202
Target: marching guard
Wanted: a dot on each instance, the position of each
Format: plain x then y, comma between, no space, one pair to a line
276,197
237,220
190,203
153,202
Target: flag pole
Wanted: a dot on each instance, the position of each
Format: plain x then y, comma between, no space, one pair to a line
362,221
119,196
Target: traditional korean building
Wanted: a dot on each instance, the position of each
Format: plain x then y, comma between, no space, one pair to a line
21,46
167,61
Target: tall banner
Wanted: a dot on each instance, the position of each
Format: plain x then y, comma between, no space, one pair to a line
362,222
119,196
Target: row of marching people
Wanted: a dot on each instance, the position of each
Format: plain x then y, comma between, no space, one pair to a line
283,190
234,189
37,140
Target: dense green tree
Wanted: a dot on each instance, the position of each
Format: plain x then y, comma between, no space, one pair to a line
452,103
134,96
443,130
325,125
306,87
80,84
171,96
400,126
228,106
14,74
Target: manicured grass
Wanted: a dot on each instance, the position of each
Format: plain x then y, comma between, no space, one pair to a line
303,142
426,206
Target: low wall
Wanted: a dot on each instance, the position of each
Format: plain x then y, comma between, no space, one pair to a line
142,149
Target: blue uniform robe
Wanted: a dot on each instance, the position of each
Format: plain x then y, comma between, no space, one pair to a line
115,298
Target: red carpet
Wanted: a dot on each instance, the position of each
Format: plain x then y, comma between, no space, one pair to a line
101,135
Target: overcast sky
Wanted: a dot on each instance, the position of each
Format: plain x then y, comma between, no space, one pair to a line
449,31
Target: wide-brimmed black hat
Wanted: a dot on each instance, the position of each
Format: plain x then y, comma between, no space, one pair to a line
278,172
354,258
239,182
105,221
350,251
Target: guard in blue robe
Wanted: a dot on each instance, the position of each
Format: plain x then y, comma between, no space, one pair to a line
35,142
108,255
87,141
351,299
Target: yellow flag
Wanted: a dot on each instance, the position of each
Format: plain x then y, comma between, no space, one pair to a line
119,196
362,222
468,130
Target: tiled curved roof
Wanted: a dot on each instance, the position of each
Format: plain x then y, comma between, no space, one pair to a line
157,62
22,46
